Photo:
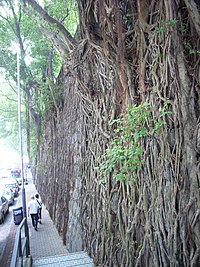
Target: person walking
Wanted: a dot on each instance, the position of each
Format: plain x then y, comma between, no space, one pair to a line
33,207
38,199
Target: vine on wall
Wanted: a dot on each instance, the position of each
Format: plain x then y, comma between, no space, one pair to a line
119,62
124,154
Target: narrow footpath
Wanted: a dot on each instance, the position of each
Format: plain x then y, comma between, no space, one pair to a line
46,247
45,242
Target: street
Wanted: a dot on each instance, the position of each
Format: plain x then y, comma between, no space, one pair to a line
5,226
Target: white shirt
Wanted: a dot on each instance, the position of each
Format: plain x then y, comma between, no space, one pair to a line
33,206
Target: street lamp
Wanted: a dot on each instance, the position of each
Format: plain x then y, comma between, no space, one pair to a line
20,146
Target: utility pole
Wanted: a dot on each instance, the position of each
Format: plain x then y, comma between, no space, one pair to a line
21,150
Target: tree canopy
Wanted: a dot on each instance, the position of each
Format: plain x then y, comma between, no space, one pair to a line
39,62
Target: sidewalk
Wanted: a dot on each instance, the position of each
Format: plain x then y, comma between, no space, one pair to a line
43,243
46,241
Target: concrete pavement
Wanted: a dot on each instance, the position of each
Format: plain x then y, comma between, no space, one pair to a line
46,247
46,241
43,243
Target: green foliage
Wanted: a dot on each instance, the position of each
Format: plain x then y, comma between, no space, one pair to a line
183,28
65,12
9,115
190,49
195,52
123,157
165,25
38,61
33,141
37,49
49,96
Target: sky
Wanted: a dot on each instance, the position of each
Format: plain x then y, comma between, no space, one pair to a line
8,157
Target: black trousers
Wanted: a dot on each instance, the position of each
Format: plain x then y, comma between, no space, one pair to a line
34,218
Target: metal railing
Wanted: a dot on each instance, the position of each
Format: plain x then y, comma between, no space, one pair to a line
21,246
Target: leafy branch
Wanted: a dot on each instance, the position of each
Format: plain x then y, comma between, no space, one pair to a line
66,40
165,25
123,157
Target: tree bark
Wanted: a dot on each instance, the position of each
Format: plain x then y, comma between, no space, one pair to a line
128,55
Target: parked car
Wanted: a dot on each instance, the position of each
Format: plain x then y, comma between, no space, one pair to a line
4,208
12,184
8,194
16,173
18,179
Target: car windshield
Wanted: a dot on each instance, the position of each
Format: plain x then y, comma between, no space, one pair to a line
0,202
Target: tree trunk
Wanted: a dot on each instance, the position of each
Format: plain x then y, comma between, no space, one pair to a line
131,52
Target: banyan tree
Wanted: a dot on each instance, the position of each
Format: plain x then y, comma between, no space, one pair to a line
118,164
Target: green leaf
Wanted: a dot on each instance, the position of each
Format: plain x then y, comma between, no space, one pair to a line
124,153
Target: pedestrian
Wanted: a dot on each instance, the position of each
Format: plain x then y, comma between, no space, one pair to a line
38,199
33,207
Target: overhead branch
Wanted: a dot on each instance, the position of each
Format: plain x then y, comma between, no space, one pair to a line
67,38
6,96
16,29
194,14
61,47
57,43
7,110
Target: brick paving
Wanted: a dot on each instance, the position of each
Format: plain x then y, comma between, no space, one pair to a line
78,259
46,247
43,243
46,241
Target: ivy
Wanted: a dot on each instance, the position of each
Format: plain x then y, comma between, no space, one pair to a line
165,25
123,157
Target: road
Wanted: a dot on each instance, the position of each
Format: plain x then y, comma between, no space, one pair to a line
6,225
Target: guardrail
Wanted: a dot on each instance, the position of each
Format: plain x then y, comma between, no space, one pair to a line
21,246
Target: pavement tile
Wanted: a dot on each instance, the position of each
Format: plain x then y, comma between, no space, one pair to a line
46,241
46,246
43,243
70,260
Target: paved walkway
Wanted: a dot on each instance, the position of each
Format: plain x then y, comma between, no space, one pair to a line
46,241
78,259
46,247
